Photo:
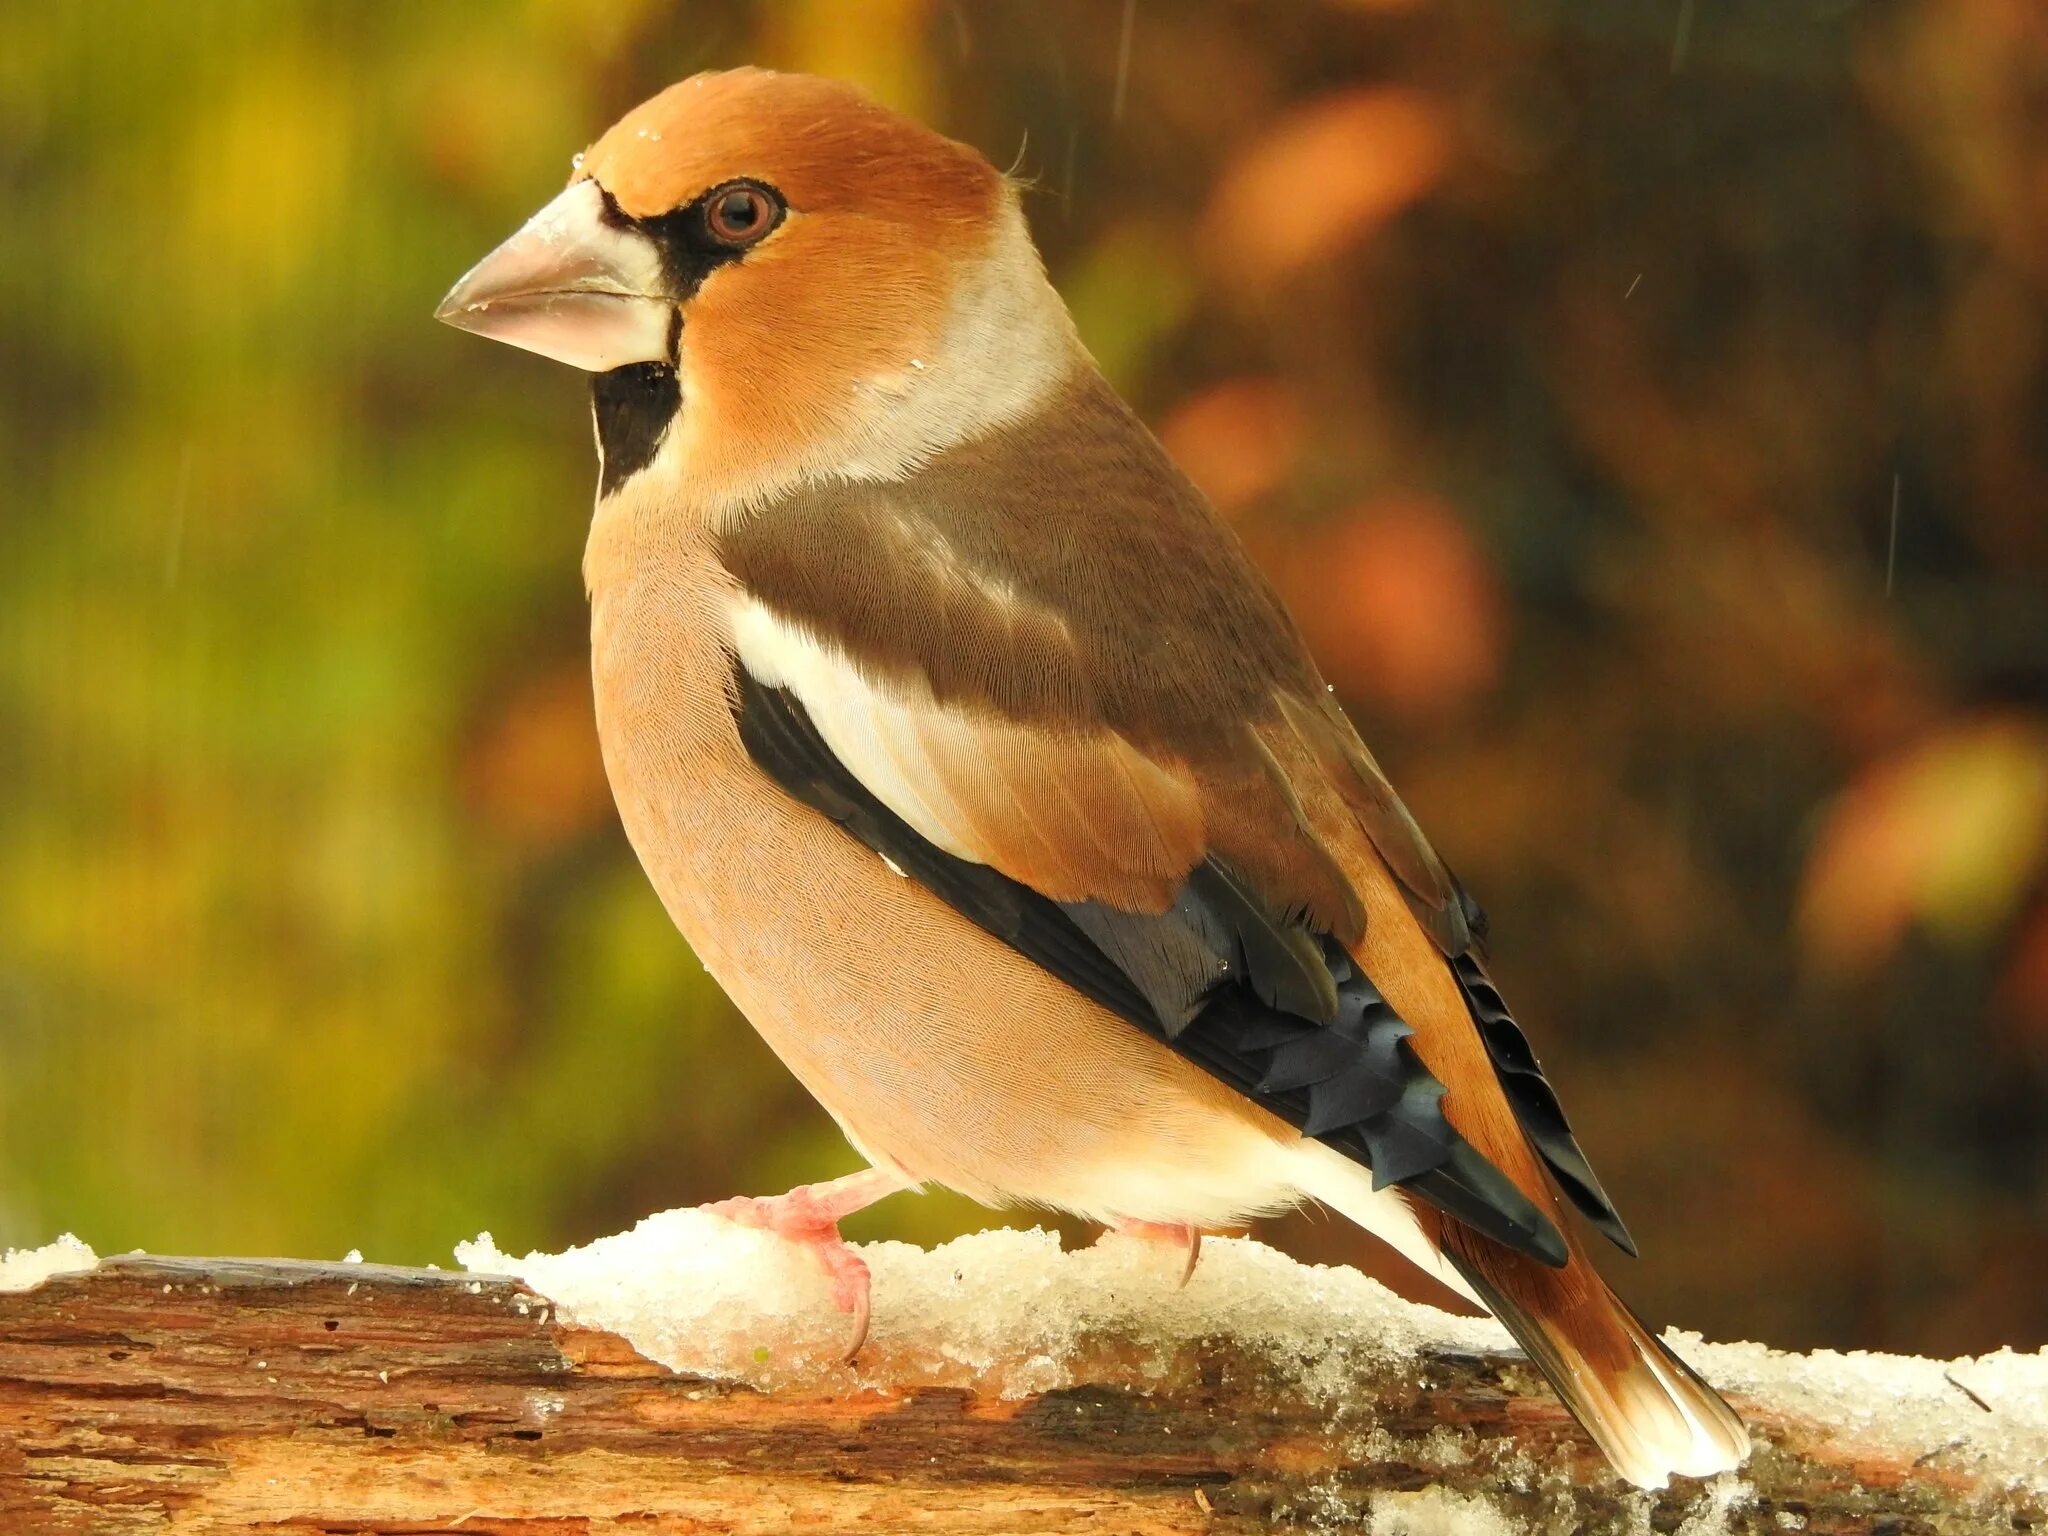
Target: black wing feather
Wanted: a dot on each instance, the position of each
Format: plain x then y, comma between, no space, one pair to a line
1535,1102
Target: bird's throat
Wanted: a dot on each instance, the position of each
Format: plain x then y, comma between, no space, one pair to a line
632,407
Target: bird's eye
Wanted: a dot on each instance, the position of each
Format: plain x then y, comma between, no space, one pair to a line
740,214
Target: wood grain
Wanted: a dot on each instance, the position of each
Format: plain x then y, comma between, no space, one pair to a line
217,1395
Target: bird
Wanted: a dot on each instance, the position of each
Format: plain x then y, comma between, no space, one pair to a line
983,769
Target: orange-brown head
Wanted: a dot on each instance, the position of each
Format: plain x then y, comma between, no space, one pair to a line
774,279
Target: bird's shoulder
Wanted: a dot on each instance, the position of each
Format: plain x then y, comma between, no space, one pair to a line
1059,569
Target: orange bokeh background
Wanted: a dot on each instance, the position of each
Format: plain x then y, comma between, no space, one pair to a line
1643,408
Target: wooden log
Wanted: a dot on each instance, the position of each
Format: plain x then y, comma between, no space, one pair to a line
216,1395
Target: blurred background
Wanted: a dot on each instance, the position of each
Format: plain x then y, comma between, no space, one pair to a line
1643,404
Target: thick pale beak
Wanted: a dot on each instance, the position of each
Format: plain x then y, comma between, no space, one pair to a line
570,286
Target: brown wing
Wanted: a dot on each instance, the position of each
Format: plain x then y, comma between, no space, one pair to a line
1064,574
1045,657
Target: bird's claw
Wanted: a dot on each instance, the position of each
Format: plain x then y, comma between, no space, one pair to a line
811,1222
1179,1234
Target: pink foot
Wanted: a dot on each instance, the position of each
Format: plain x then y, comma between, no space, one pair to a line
809,1216
1177,1234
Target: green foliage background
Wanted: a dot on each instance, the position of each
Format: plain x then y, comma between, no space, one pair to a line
1664,473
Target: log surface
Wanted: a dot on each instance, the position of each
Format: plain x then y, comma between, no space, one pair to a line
217,1395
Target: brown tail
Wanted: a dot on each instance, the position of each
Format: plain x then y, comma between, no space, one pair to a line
1647,1410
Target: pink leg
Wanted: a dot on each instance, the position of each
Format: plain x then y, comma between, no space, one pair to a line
809,1216
1180,1236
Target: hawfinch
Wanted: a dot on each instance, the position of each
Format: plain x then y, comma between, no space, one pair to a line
985,772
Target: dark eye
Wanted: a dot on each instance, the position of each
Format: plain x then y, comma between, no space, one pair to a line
740,214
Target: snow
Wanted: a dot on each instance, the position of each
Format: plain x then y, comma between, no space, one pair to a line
1002,1311
23,1269
1437,1512
1899,1403
1718,1510
1008,1313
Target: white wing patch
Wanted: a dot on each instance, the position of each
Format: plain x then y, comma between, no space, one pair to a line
1076,815
856,719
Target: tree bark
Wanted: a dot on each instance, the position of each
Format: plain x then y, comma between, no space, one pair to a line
162,1394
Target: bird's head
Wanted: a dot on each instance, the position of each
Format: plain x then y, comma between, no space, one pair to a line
775,279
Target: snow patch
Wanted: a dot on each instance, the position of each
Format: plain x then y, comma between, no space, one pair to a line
1986,1414
1726,1498
1437,1512
1002,1311
23,1269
